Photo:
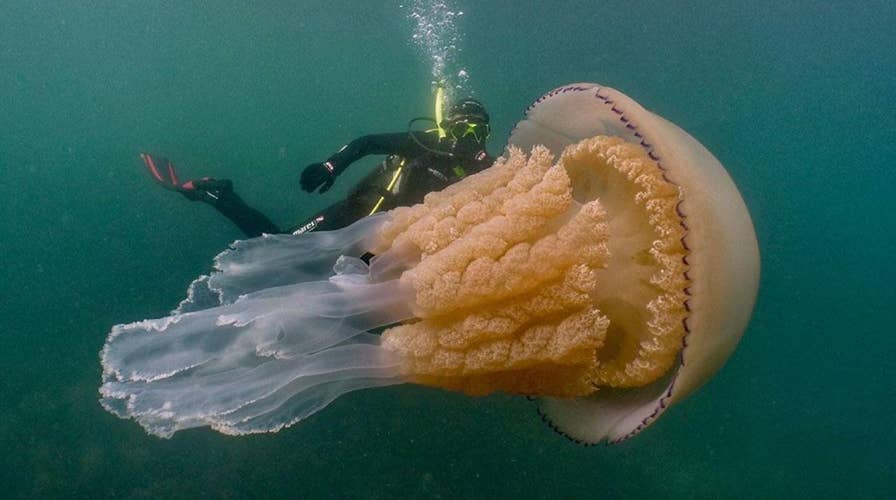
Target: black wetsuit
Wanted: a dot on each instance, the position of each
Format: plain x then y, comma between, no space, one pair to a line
424,170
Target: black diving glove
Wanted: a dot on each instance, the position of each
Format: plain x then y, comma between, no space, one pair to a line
318,175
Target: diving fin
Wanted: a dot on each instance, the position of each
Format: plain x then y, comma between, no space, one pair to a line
163,172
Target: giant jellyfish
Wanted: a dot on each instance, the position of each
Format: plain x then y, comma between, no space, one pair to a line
606,265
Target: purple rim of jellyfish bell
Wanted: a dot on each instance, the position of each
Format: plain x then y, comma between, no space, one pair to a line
652,154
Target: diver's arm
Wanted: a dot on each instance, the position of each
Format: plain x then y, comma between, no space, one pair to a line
399,143
322,175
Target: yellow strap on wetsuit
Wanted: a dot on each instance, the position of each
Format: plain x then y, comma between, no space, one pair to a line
440,96
391,185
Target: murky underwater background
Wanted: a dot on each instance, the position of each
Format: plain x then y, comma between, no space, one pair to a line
795,99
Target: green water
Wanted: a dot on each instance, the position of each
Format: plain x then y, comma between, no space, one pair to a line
796,100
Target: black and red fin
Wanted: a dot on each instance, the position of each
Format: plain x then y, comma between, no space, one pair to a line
163,172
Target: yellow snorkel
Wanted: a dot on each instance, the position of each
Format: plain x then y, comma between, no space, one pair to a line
440,97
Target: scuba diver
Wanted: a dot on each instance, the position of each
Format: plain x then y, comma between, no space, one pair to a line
418,162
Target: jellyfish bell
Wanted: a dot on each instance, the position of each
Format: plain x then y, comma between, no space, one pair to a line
721,260
606,264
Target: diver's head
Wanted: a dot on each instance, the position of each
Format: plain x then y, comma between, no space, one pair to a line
467,126
467,109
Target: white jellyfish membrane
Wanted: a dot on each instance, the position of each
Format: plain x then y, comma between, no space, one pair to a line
277,332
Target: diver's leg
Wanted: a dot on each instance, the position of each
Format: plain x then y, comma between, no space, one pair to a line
219,193
336,216
216,192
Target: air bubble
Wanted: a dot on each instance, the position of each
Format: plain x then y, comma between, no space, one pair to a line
437,38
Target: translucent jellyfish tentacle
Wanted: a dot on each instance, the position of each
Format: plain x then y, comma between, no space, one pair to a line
242,396
270,356
277,259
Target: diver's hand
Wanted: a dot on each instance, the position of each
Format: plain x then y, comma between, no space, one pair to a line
318,175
